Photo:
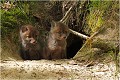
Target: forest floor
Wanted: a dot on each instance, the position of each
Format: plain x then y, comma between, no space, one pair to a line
57,70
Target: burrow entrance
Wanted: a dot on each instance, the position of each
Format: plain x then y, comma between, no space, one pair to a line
73,46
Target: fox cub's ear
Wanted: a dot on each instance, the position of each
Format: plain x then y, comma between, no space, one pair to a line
24,28
53,23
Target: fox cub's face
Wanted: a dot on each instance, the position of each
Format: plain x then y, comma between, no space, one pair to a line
29,35
59,31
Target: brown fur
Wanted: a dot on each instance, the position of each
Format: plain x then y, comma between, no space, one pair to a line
30,48
56,45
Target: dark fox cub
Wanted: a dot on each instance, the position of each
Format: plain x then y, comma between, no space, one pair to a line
30,49
56,44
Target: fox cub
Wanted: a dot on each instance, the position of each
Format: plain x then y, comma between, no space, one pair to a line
56,44
30,49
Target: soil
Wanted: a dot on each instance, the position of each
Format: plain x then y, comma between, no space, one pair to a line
58,70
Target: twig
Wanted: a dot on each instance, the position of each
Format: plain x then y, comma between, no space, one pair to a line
64,19
67,13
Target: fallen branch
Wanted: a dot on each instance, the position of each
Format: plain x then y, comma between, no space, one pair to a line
78,34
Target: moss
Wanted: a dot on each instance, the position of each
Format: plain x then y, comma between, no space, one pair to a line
103,44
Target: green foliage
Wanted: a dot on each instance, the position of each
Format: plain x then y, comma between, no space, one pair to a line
96,17
14,17
103,18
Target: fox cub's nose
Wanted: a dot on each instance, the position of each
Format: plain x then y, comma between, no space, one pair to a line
33,41
64,36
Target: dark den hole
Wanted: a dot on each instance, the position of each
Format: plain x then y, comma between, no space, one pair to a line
74,46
